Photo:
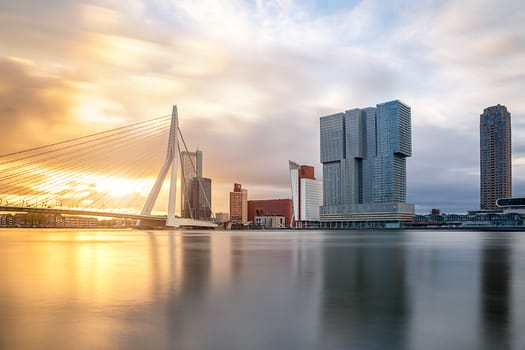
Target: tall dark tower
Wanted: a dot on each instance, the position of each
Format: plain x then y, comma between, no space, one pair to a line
495,156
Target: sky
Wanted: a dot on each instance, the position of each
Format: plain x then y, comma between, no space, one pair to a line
252,78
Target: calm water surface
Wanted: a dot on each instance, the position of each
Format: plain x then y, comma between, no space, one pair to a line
95,289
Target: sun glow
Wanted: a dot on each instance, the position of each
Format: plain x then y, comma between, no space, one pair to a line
88,192
116,186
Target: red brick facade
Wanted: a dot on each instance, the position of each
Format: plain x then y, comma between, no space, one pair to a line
270,207
306,172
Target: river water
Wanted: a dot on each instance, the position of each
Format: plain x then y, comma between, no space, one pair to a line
126,289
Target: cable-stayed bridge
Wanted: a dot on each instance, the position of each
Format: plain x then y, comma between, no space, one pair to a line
112,174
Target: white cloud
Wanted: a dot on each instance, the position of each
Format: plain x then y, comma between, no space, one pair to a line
251,79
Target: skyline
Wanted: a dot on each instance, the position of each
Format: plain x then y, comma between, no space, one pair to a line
255,78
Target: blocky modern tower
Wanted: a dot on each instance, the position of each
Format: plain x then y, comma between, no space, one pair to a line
495,156
364,153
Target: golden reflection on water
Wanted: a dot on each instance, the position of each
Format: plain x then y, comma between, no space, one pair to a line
103,268
220,261
126,289
86,288
82,267
75,283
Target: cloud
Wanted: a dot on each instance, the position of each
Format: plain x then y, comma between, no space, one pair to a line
251,79
31,106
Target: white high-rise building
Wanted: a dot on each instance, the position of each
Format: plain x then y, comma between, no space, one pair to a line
307,195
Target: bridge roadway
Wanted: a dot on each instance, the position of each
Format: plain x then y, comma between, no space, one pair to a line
160,219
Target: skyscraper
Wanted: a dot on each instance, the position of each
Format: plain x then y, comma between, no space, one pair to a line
364,153
196,190
495,156
198,205
191,163
191,167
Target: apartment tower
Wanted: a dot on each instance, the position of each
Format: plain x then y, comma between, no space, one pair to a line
495,153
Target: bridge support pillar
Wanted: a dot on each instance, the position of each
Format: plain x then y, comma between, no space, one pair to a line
171,160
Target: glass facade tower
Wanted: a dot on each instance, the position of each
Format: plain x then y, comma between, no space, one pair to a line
364,153
495,156
196,190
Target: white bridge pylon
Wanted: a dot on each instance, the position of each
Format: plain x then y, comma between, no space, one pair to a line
172,160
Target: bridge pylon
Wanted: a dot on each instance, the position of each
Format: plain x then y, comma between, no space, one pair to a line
171,161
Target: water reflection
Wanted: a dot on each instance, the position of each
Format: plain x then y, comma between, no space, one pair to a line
496,291
364,293
185,309
259,290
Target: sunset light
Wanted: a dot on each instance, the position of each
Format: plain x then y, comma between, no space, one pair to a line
262,174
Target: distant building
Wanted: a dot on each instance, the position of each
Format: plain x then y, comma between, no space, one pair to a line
191,163
196,189
364,153
6,220
268,207
222,217
473,219
191,167
512,205
495,156
58,220
270,221
307,195
198,203
239,205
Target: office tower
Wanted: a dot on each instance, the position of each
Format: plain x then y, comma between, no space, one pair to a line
191,167
198,205
364,153
495,153
239,205
307,195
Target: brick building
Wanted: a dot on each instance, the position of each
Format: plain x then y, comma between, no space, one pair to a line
265,207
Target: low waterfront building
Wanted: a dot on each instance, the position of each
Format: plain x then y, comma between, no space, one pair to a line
6,220
512,205
270,221
473,219
80,221
266,207
221,217
58,220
